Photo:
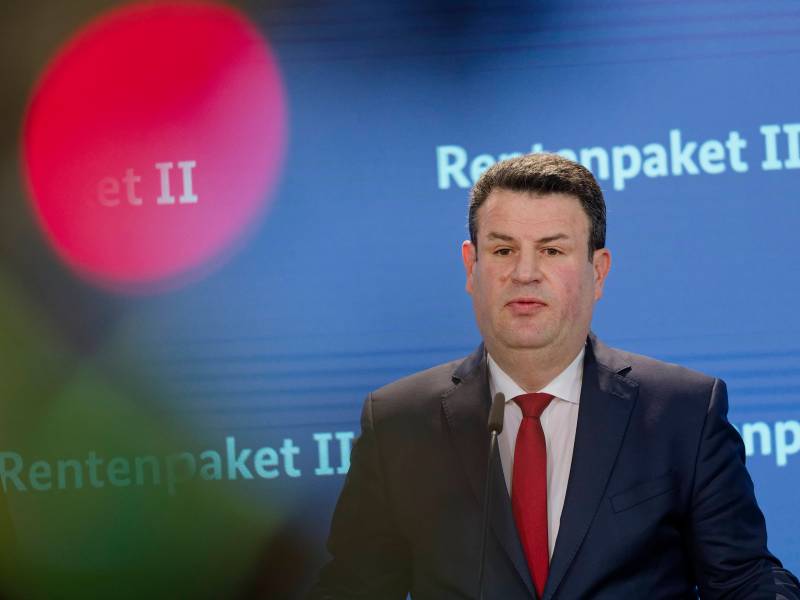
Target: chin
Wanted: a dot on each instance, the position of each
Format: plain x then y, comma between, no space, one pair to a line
526,343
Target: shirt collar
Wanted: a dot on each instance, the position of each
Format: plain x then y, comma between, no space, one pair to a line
565,386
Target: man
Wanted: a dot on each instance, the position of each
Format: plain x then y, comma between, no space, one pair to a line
621,476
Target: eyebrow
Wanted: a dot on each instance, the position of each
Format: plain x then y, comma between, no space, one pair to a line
493,235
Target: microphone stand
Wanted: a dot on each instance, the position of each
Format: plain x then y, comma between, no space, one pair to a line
495,426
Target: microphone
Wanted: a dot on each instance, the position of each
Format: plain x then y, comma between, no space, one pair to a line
496,414
495,427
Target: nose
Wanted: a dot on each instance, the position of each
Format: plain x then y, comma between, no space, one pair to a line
527,268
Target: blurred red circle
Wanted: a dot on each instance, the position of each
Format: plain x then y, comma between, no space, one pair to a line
153,140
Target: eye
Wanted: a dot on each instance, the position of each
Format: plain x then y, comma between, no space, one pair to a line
552,251
502,251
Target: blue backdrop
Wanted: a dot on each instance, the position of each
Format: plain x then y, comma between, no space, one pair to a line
686,111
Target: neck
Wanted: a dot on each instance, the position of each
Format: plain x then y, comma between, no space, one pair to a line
533,368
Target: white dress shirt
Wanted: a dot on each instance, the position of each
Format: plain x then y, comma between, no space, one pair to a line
559,422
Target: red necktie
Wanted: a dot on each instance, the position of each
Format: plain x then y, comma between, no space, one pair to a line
529,487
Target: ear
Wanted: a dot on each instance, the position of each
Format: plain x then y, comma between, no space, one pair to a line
469,254
601,264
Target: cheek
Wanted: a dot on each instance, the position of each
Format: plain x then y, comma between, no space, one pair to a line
577,288
483,294
481,283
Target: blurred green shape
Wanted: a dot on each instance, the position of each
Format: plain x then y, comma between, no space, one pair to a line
107,542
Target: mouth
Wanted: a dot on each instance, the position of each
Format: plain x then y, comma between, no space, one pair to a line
526,305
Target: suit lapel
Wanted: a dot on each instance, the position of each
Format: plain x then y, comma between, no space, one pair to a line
466,408
607,399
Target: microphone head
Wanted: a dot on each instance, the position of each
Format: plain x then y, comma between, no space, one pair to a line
496,413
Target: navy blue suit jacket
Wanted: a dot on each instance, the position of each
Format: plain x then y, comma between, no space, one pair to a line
659,503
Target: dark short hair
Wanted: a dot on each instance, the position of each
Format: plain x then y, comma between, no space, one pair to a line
543,173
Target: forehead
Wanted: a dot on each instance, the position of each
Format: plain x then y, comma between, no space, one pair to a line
533,213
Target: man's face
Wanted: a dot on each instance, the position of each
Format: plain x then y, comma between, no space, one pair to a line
530,279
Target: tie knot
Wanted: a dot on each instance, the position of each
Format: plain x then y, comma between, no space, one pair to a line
533,405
